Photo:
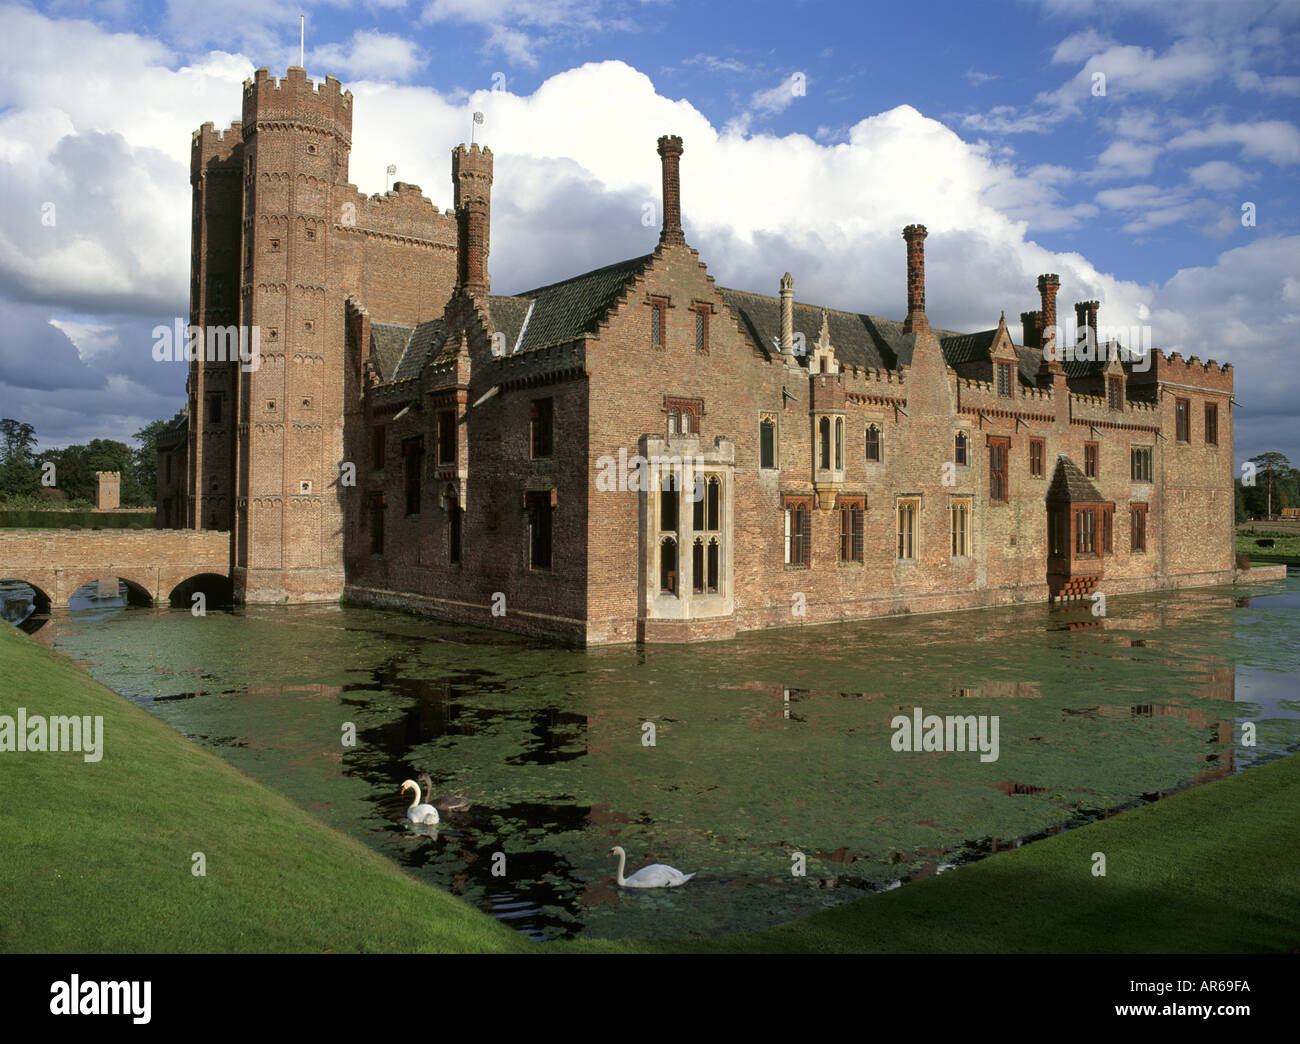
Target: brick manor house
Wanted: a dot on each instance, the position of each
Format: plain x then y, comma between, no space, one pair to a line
412,440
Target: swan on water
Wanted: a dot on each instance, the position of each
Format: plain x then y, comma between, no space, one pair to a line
443,804
656,875
418,813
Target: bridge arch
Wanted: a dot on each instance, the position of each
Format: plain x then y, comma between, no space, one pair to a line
215,587
41,601
137,593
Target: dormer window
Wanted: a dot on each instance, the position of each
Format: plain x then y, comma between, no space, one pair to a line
1115,392
1004,379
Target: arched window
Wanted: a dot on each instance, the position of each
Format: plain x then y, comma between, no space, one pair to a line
715,553
697,567
672,422
713,504
961,448
686,422
669,496
873,444
668,567
824,439
839,443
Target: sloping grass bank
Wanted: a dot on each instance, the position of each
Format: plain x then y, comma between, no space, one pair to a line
97,858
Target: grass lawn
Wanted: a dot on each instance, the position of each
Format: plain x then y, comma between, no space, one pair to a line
97,858
1286,542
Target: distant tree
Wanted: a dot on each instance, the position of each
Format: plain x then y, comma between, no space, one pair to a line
146,460
72,474
1239,501
19,472
1272,462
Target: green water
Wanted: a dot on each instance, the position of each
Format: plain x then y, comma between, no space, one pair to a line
766,746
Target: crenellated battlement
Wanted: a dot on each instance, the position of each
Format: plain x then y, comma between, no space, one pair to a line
296,99
869,374
1173,368
216,150
403,211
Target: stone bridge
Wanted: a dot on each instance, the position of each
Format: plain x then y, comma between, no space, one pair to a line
153,562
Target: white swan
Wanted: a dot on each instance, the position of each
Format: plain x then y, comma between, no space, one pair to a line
418,813
656,875
443,804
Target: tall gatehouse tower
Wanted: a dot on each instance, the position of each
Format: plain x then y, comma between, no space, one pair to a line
288,542
281,241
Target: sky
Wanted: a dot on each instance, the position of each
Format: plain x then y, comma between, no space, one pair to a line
1145,150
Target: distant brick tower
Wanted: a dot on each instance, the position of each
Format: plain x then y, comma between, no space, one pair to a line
288,533
108,490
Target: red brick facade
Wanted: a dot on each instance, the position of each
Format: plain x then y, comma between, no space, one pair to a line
460,447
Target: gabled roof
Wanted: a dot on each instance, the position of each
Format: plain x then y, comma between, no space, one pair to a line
549,315
1070,484
1079,368
859,340
387,343
866,341
424,341
565,311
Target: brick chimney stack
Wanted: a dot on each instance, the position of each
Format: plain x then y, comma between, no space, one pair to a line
670,155
1031,323
1048,285
1085,318
787,314
471,174
916,320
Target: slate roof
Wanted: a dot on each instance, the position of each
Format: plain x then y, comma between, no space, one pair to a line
565,311
867,340
1077,368
1070,484
387,343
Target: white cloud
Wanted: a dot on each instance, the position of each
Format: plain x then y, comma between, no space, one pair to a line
1126,159
575,163
1218,174
1274,140
371,55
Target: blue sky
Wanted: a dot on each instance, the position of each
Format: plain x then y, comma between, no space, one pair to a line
813,131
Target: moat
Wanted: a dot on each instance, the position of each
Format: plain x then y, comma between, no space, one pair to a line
768,745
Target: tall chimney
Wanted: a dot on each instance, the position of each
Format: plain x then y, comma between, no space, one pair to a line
787,314
471,174
1048,285
916,320
1085,318
670,155
1031,323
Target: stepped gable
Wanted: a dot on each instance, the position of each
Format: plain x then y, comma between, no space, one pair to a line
1070,484
572,309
